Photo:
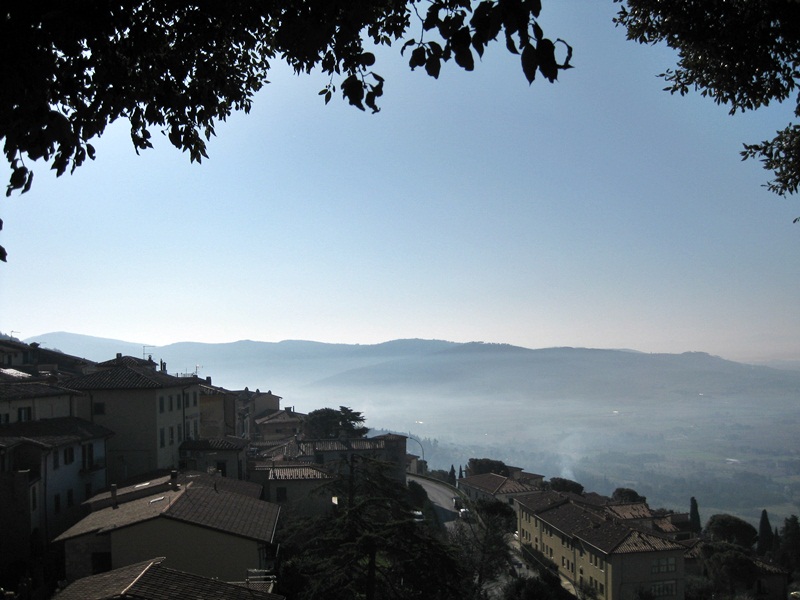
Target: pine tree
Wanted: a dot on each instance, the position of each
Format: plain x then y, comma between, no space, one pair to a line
694,516
764,543
451,476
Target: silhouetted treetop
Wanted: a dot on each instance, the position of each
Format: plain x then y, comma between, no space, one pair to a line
70,69
741,53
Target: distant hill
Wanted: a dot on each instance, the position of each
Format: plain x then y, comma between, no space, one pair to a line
607,417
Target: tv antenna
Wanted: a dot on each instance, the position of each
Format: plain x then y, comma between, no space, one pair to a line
144,351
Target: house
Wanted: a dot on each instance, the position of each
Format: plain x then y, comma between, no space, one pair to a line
335,454
593,550
491,486
252,405
150,412
151,580
300,488
217,411
199,529
26,398
40,362
278,424
47,468
226,456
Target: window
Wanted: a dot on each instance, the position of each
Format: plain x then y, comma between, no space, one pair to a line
180,433
161,438
87,456
56,461
663,588
180,399
602,589
195,428
4,418
161,404
663,565
24,413
170,403
70,498
171,436
194,398
57,503
99,408
69,455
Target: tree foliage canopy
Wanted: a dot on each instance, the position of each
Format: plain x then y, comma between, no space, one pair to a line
69,70
331,423
730,529
741,53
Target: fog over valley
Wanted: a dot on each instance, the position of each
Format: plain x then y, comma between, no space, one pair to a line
670,426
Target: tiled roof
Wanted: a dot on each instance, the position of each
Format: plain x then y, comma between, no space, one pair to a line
536,502
150,580
59,431
279,416
226,443
614,537
633,510
291,471
494,484
570,518
128,361
231,513
161,482
128,377
13,374
22,390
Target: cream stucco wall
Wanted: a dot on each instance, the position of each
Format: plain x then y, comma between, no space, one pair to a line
189,548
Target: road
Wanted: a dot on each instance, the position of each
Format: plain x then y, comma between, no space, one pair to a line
441,495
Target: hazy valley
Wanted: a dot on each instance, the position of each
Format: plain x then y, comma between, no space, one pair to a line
670,426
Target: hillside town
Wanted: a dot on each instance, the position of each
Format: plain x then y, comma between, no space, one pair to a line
120,479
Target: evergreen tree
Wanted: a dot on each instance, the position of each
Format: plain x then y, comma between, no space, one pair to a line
764,543
694,516
460,472
451,476
789,552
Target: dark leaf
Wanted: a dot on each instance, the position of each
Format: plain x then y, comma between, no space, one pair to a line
3,254
433,65
417,57
529,62
367,59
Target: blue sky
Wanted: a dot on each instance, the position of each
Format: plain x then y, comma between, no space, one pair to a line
599,211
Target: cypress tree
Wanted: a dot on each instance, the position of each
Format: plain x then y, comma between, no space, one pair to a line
764,544
694,516
451,476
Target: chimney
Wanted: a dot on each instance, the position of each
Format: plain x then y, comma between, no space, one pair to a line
114,495
163,367
208,380
173,479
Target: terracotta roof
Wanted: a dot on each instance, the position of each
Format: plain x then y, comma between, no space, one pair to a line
150,580
633,510
128,361
23,390
59,431
537,502
494,484
160,483
279,415
613,537
129,377
292,471
226,443
235,514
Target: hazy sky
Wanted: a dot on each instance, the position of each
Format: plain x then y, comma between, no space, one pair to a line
599,211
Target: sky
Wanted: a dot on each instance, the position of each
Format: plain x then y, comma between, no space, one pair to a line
599,211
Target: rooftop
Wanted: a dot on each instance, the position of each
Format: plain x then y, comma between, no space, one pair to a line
151,580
